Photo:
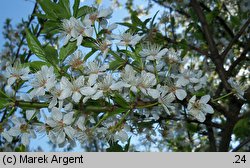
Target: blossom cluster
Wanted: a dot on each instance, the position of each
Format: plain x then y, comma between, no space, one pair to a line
153,83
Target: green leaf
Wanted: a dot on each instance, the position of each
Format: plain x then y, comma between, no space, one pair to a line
120,100
126,148
4,103
75,7
116,64
35,65
51,27
48,8
20,148
35,46
89,54
51,52
84,10
242,128
64,9
114,147
67,50
3,94
135,20
152,21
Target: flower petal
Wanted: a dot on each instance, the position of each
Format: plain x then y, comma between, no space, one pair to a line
180,94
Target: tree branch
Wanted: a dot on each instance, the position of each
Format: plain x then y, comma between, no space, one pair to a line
23,38
198,50
214,54
236,37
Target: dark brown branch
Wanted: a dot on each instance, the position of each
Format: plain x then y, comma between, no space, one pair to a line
211,137
198,50
241,58
236,37
181,12
214,54
221,20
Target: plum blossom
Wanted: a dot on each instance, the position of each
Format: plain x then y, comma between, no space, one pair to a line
16,72
94,69
22,129
127,39
61,126
72,88
5,134
69,30
76,60
44,80
166,99
176,90
83,29
186,77
153,52
56,96
199,108
238,89
101,16
91,91
146,82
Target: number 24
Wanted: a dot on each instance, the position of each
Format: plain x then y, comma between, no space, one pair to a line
240,159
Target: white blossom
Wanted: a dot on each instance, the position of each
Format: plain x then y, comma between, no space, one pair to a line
61,126
44,80
16,72
72,88
239,89
199,108
69,30
83,29
127,39
153,52
22,129
166,99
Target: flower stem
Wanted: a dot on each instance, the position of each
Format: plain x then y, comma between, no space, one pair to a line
219,98
155,71
149,105
120,121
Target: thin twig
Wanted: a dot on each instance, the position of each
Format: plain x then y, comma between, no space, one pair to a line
236,37
23,38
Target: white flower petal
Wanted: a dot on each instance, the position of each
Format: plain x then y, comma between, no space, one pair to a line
153,93
70,132
60,137
56,114
25,139
180,94
88,91
208,109
29,114
205,99
76,97
14,131
68,118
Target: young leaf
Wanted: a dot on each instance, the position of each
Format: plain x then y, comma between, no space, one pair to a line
114,147
48,8
67,50
35,46
3,103
120,100
84,10
51,52
75,7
